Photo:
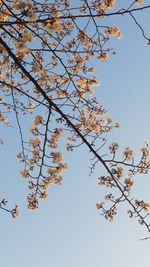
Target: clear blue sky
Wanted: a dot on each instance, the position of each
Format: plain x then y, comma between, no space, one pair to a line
67,230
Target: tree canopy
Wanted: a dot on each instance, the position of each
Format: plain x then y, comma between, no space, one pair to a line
47,76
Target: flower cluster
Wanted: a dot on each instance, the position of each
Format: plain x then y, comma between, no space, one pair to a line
57,156
53,24
128,183
140,204
35,142
128,154
55,138
3,118
110,3
139,2
15,212
113,147
106,4
85,86
114,31
32,202
118,172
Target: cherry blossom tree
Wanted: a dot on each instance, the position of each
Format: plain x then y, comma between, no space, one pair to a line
46,75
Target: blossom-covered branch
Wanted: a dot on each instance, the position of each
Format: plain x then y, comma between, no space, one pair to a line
46,74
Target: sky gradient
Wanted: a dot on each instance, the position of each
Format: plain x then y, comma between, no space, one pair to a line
67,230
